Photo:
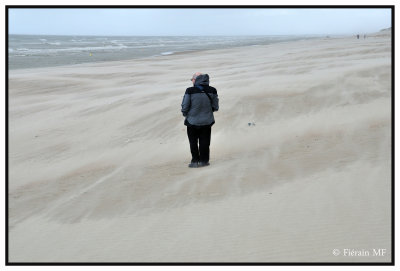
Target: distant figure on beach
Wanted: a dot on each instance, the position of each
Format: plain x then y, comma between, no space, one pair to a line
198,105
358,36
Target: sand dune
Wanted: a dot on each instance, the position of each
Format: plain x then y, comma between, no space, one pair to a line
98,157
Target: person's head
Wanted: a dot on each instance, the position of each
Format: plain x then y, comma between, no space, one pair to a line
195,76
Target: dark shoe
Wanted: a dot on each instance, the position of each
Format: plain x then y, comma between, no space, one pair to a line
204,164
193,165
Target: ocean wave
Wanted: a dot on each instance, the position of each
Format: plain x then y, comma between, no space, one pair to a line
46,51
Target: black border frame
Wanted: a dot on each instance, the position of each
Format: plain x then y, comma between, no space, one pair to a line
392,263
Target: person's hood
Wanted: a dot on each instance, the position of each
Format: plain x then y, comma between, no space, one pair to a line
202,79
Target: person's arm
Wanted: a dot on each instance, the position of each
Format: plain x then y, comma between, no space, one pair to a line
215,101
185,104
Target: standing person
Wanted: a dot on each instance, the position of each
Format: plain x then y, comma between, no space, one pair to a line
198,105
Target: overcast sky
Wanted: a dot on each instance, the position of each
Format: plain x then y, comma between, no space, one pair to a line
180,22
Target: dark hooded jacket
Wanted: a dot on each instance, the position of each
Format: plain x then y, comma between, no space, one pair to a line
199,103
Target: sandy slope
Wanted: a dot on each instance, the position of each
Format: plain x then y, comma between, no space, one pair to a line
98,157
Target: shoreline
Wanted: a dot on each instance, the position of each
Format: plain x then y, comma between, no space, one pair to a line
194,51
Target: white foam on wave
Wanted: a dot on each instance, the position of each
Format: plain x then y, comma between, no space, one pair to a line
167,53
23,49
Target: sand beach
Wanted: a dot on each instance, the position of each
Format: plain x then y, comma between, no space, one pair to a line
98,157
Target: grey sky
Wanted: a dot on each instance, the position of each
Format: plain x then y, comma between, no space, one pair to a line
258,21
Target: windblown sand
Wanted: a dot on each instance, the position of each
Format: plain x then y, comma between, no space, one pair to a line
98,157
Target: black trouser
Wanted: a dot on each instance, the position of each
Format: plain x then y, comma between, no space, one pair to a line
199,139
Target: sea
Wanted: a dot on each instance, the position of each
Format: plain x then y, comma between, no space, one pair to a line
37,51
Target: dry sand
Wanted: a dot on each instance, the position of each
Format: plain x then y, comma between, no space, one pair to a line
98,157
